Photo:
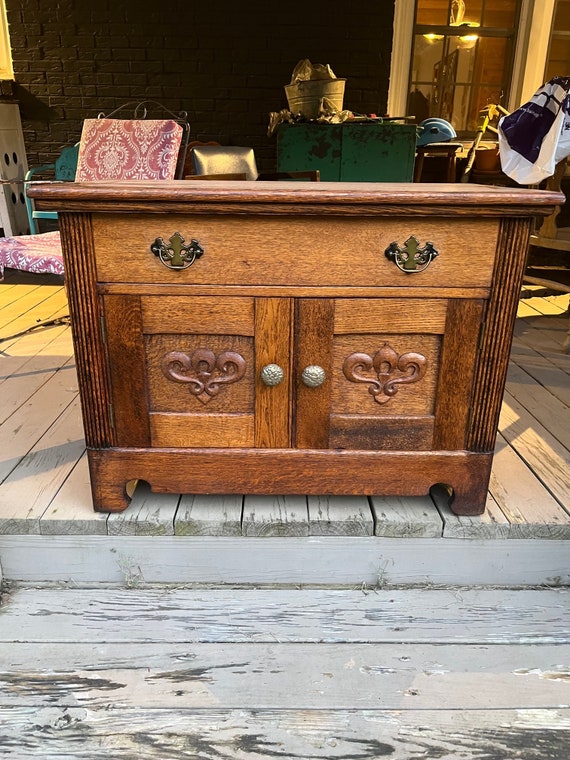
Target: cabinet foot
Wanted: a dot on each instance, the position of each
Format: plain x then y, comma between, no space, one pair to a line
110,498
108,494
463,501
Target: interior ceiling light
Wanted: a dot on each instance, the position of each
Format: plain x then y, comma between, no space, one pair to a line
457,18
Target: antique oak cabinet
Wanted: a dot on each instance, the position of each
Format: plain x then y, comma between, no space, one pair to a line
290,337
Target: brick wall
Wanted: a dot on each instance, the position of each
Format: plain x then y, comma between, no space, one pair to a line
225,63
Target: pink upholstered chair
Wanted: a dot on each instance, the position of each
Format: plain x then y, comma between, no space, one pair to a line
109,149
128,149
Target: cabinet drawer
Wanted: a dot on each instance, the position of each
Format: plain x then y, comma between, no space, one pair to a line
294,251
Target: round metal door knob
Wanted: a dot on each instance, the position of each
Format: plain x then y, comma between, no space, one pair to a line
272,374
313,376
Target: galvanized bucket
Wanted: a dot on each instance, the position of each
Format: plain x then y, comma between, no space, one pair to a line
304,97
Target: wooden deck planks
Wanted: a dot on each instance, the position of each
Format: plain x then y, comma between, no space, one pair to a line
287,676
263,673
217,734
209,515
435,616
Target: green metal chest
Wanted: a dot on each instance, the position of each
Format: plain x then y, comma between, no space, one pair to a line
370,151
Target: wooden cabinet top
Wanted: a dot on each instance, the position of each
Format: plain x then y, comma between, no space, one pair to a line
306,198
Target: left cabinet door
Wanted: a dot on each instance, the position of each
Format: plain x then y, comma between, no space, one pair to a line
186,371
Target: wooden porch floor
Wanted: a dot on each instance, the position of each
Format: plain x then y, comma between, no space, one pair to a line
260,674
44,487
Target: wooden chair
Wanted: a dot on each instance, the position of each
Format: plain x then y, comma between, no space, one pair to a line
62,170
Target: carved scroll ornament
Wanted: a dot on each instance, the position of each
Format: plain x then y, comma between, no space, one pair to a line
392,370
203,371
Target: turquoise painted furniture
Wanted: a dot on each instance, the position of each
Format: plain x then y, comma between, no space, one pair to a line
63,169
367,151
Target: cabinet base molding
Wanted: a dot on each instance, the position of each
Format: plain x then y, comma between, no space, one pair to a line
276,471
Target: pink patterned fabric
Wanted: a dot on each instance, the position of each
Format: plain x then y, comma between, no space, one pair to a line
32,253
128,149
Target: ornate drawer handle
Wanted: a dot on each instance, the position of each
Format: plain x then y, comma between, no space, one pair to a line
177,255
313,376
272,375
410,258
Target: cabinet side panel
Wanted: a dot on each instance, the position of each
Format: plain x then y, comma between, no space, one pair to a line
458,361
491,369
123,323
84,308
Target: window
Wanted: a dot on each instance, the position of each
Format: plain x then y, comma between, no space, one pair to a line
461,59
452,57
6,70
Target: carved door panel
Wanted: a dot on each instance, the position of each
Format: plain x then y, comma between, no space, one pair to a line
185,370
392,381
344,373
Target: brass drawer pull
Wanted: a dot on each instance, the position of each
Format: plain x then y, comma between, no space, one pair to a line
272,375
411,258
177,255
313,376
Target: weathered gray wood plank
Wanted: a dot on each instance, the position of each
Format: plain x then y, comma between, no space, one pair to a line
540,450
148,514
547,366
71,511
275,516
77,733
399,516
330,560
23,375
340,515
209,515
34,478
540,403
520,506
491,525
287,676
23,429
423,615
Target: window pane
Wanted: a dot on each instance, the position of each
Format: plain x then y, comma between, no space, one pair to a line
432,12
501,14
461,98
426,54
492,53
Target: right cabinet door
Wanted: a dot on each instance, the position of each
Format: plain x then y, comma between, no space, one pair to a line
384,374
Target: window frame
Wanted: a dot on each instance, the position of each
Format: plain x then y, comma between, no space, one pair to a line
528,70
